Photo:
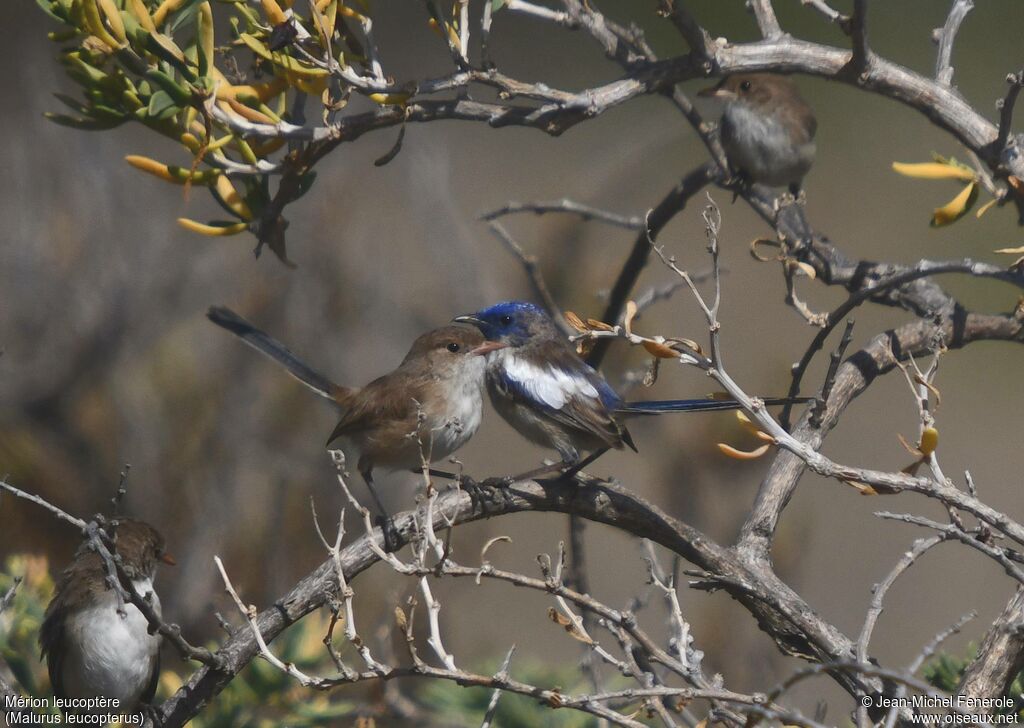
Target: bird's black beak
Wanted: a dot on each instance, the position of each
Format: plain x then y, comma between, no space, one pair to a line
468,319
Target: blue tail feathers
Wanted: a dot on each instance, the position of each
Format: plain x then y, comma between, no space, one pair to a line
697,405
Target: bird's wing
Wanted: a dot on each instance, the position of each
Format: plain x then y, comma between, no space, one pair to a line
389,400
51,638
52,634
564,389
810,123
154,679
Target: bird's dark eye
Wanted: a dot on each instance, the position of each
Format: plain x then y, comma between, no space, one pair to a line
452,347
506,320
744,85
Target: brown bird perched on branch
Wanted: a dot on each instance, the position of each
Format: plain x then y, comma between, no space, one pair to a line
767,129
93,651
426,409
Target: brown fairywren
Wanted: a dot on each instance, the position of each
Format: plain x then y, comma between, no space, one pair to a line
93,651
767,129
424,410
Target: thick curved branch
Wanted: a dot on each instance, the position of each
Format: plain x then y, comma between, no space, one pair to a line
876,288
957,328
557,112
779,610
942,105
1001,655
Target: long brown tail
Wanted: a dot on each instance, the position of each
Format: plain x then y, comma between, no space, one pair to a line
271,347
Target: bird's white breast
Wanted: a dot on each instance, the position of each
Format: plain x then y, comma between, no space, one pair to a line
460,417
760,145
547,385
109,655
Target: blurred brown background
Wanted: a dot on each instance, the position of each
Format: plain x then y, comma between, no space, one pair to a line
108,358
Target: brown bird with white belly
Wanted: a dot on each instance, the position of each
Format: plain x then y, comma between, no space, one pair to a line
767,129
93,651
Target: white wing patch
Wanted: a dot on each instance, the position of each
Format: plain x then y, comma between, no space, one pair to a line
548,385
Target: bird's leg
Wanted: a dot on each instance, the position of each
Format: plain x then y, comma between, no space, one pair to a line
384,520
462,482
571,465
791,196
575,468
739,181
478,493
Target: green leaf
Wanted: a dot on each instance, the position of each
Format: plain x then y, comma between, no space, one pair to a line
184,14
161,106
82,124
47,7
497,5
80,71
73,104
138,36
167,50
205,42
181,95
281,59
102,112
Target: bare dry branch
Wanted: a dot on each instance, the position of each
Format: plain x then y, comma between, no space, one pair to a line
945,36
765,16
532,269
1015,82
1001,654
586,212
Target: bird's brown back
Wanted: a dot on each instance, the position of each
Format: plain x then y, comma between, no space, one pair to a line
390,401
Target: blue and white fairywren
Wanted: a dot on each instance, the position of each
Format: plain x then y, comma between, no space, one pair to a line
539,385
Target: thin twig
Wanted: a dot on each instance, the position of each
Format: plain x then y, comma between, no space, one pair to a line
821,402
500,676
951,530
879,591
874,289
1016,82
833,15
533,272
8,598
945,36
859,36
702,45
915,665
671,205
587,212
764,13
